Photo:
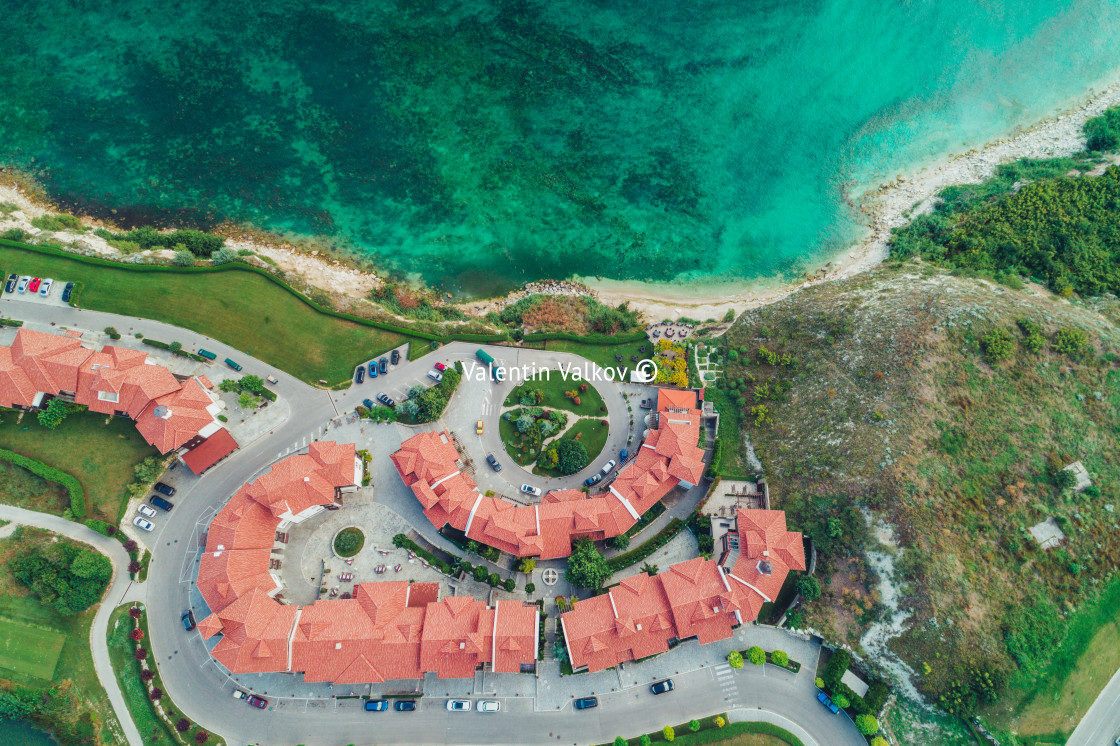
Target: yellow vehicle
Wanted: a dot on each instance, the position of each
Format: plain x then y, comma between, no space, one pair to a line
478,427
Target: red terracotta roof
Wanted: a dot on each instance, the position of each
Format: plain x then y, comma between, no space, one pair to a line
172,419
210,451
767,551
242,524
226,575
305,480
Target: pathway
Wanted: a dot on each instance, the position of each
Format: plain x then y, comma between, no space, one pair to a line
119,591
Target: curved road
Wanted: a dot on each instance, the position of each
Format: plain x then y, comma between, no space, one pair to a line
113,597
200,688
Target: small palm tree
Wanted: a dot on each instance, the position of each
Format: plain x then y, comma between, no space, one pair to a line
650,569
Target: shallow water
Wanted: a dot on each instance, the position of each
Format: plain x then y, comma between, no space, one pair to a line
482,143
23,733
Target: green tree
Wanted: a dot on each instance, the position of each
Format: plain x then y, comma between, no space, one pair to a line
619,542
841,701
252,383
573,456
756,655
729,316
735,659
148,470
867,724
809,587
247,400
645,740
55,412
527,565
619,741
175,347
587,568
780,657
694,725
650,569
668,733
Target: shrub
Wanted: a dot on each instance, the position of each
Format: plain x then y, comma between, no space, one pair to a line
1103,132
719,721
112,332
735,659
879,741
841,701
997,345
668,733
156,694
135,612
508,584
694,725
182,725
140,654
619,741
130,546
756,655
837,665
620,542
780,657
223,256
349,542
183,259
868,725
645,740
1070,342
134,567
530,588
818,682
147,674
137,634
201,737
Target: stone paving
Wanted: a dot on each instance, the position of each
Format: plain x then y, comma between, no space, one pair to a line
680,548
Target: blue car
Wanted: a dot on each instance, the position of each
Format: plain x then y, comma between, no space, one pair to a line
367,403
360,375
377,705
373,369
625,454
586,703
824,700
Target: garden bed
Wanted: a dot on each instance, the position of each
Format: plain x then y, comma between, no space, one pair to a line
710,732
348,542
553,395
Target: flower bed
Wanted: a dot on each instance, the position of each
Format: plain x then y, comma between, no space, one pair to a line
348,541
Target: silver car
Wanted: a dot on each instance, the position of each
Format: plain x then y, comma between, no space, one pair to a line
146,510
489,705
142,524
458,705
529,490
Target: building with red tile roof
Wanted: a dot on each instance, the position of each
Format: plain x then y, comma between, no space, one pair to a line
113,380
388,630
429,464
699,599
212,450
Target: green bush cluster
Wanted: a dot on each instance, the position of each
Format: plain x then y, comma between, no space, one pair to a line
587,568
63,575
997,345
51,474
1103,133
349,542
146,237
431,402
60,222
403,542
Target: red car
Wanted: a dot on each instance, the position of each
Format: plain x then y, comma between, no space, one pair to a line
34,286
439,366
258,702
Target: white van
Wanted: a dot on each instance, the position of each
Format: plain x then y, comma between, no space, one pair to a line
607,469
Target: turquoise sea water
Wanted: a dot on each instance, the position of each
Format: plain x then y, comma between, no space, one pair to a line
481,143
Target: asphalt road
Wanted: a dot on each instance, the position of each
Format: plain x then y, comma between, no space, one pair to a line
1101,724
201,689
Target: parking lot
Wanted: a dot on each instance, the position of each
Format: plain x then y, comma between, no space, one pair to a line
53,296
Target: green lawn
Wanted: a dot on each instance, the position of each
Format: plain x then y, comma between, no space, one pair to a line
731,734
29,649
127,671
593,436
242,309
71,675
604,355
100,455
553,388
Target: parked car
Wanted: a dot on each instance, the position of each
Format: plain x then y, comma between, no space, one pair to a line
159,502
67,291
478,427
367,403
404,705
145,510
395,357
592,481
435,375
238,694
377,705
259,702
45,288
236,366
827,702
34,286
187,619
441,367
586,703
373,369
458,705
272,379
384,362
207,354
23,283
493,462
489,705
530,490
163,489
142,524
13,280
386,400
646,404
360,374
665,685
607,467
623,455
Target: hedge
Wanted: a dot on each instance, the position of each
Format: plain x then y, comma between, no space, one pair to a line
10,322
647,518
181,352
717,454
51,474
635,556
403,542
836,667
637,335
711,734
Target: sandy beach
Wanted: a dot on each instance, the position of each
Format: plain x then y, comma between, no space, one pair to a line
890,206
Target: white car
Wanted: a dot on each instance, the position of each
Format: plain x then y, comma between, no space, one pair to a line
528,490
143,524
45,288
458,705
607,469
23,281
489,705
435,375
146,510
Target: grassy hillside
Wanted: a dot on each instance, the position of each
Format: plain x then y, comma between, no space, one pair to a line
894,393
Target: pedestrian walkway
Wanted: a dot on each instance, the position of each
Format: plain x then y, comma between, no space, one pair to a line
725,677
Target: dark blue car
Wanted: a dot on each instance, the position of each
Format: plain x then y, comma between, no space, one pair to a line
586,703
405,705
377,705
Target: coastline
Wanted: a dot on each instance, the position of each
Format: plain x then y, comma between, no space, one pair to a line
884,208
